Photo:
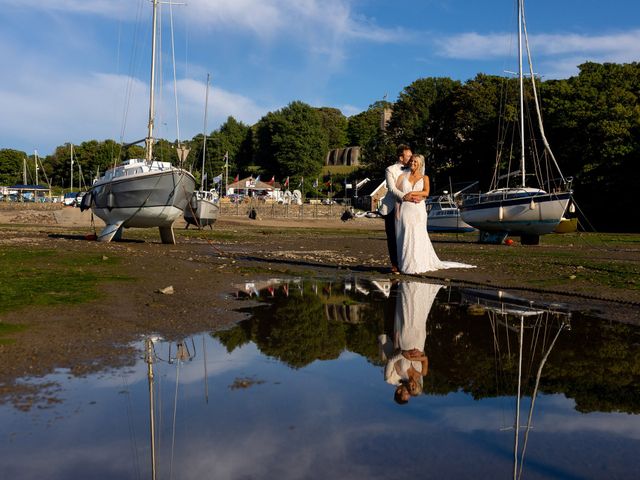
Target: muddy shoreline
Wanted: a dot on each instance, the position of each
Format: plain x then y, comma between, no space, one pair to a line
204,265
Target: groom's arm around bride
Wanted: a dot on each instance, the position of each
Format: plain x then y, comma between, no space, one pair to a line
389,201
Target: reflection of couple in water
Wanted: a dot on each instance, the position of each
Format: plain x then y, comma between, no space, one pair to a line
407,363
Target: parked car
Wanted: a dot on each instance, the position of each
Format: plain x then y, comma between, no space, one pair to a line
236,197
70,199
79,199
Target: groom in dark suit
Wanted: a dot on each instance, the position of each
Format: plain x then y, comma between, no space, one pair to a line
387,209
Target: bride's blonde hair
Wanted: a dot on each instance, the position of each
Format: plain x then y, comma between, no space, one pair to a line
420,159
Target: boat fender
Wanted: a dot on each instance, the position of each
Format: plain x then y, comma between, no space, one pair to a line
110,201
572,208
500,213
85,203
532,206
194,202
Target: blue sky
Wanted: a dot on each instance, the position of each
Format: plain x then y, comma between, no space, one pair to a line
67,63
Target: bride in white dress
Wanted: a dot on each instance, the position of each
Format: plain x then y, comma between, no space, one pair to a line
415,252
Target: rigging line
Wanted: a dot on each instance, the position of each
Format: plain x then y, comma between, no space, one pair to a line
175,82
497,361
173,428
535,94
133,62
517,429
535,393
160,411
131,429
206,378
159,111
593,229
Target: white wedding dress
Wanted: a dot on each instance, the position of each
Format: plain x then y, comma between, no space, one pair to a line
415,252
414,303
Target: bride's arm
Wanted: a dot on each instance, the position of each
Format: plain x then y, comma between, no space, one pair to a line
424,193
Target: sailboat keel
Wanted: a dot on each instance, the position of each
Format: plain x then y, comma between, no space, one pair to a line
111,232
167,235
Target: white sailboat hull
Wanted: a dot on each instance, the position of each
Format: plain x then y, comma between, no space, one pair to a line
136,195
201,212
530,215
447,221
443,215
142,193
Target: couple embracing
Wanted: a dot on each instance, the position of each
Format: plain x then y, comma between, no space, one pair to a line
405,217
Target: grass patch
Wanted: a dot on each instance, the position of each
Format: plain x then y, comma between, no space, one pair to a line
8,329
51,277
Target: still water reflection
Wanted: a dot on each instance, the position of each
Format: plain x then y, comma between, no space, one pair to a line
491,386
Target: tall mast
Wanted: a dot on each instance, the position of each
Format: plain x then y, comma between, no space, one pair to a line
71,153
149,357
24,171
226,173
149,139
204,133
35,161
521,82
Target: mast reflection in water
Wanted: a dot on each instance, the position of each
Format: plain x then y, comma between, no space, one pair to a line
306,387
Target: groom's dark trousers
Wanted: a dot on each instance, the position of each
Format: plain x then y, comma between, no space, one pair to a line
390,230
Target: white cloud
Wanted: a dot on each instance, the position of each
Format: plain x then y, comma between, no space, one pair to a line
560,52
46,111
623,46
350,110
474,46
558,416
287,18
222,103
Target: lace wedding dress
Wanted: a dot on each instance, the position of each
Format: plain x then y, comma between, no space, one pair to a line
415,252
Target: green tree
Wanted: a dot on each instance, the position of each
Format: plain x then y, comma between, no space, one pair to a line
291,142
594,121
363,127
11,163
478,106
422,116
233,137
335,126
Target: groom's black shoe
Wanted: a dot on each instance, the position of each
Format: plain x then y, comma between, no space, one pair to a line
395,270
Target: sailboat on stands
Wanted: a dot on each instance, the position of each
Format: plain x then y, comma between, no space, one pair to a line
203,208
142,193
521,210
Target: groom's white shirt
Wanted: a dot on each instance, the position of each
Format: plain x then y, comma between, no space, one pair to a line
393,195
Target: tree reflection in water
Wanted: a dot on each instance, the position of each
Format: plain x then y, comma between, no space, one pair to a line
299,321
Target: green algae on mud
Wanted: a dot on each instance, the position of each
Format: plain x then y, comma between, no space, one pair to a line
41,277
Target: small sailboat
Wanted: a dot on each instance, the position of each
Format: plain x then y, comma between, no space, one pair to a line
203,208
142,193
521,210
443,215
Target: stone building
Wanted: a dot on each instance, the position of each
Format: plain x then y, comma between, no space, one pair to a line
348,156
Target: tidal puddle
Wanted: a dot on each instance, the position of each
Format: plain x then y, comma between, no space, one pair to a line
352,379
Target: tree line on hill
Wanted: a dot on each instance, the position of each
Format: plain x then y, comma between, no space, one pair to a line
592,121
